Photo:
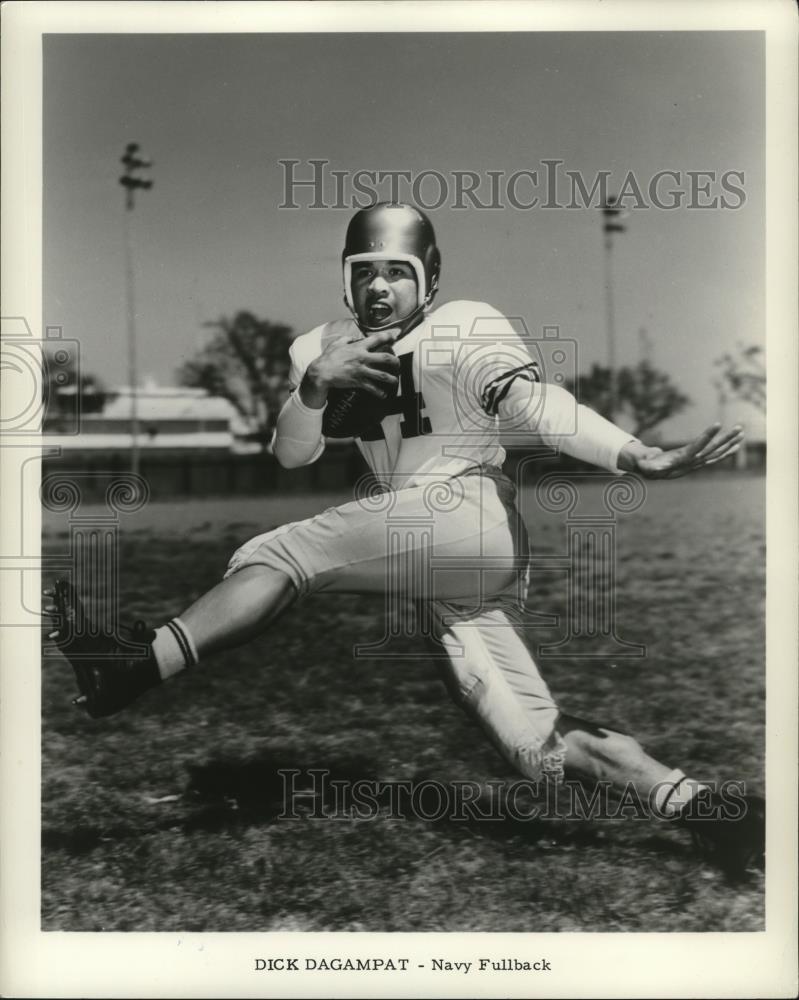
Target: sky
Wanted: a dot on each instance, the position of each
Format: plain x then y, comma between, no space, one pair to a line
217,114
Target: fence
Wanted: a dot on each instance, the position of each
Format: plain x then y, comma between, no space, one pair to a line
218,473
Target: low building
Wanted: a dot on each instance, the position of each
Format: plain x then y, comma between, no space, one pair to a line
169,418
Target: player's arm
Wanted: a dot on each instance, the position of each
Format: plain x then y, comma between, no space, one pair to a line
344,363
553,414
507,383
581,432
298,435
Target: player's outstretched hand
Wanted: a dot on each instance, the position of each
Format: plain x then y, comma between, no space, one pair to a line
711,446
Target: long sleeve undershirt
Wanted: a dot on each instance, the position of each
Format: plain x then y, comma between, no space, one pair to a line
298,435
557,418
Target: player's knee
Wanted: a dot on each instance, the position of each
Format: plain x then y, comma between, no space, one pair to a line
545,719
532,745
538,756
266,557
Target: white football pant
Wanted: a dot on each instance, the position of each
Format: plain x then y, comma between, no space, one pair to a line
453,554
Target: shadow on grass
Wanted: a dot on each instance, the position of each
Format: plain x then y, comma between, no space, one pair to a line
228,793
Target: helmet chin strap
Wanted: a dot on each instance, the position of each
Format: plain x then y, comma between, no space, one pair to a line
404,325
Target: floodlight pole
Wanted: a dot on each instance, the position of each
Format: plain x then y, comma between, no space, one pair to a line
611,326
132,163
612,214
131,340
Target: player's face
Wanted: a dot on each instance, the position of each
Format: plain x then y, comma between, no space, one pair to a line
383,291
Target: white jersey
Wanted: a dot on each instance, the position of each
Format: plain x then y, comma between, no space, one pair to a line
466,375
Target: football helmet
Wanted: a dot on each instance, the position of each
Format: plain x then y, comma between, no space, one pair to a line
393,231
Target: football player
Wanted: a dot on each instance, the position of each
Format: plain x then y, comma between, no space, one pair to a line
426,395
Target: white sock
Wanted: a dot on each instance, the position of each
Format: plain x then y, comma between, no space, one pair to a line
674,792
174,649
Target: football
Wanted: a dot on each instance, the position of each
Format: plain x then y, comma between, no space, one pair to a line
349,412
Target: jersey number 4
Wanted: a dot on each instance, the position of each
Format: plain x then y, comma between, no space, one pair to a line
408,402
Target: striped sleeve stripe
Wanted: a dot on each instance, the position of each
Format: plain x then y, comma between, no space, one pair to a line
671,792
503,392
183,643
498,388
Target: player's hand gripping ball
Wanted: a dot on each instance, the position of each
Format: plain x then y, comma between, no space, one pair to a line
351,410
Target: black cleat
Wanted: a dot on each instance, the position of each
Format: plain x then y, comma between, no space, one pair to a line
110,676
734,842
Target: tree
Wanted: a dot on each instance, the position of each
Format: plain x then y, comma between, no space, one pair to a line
646,394
744,374
246,361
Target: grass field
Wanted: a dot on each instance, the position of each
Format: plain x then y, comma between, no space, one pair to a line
163,818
